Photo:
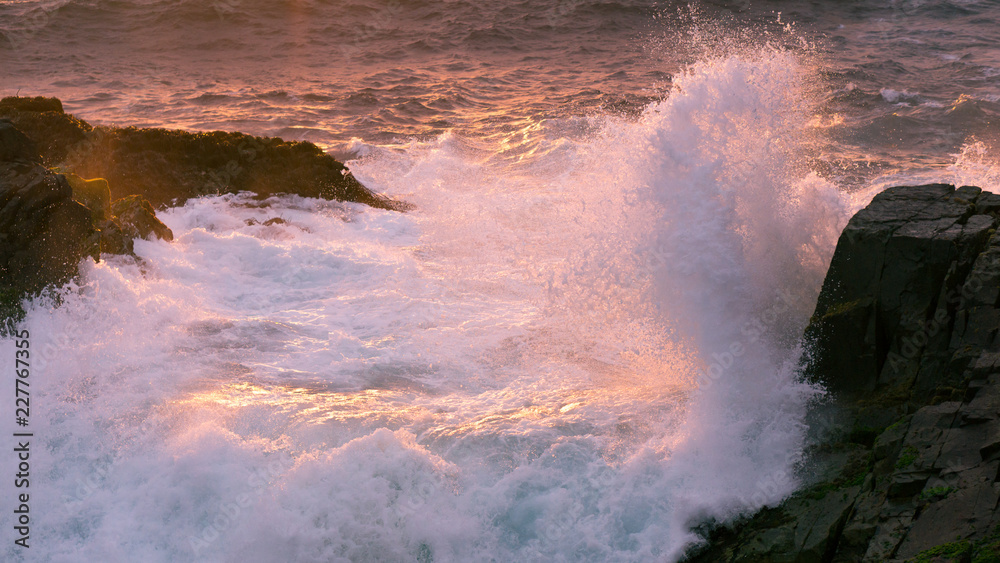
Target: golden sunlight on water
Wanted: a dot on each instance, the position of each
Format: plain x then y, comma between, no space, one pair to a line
304,404
622,405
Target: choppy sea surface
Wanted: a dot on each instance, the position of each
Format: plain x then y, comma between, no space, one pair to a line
582,343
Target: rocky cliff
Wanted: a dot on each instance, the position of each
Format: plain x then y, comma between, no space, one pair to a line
49,222
167,167
905,337
70,190
44,232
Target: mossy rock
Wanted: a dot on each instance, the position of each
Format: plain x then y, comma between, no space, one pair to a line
95,194
54,132
115,240
949,552
136,218
168,167
37,104
906,457
845,308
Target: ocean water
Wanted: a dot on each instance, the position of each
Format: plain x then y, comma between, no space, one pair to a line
580,346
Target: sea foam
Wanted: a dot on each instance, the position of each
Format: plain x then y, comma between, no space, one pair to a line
576,352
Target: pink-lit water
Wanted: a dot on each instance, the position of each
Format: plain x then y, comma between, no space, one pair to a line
579,347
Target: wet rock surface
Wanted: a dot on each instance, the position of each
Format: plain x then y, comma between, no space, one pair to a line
44,232
137,219
113,179
905,336
168,167
49,222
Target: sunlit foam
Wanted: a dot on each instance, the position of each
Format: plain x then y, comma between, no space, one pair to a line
543,355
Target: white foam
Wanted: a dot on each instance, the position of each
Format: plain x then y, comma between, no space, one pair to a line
977,164
539,363
899,97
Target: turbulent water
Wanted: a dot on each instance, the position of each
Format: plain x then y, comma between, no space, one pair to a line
580,346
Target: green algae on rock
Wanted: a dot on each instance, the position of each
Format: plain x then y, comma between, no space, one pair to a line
136,217
44,232
168,167
49,222
94,193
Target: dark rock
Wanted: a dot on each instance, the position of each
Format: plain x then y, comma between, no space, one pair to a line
36,104
892,288
115,240
962,510
137,219
808,532
47,225
94,194
824,524
907,484
906,335
990,450
983,406
55,133
169,167
988,203
15,146
890,440
45,232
